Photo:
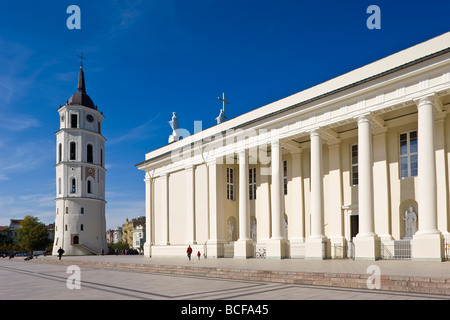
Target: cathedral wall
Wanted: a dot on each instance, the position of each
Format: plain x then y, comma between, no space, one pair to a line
262,204
443,176
230,206
178,208
401,189
201,205
159,210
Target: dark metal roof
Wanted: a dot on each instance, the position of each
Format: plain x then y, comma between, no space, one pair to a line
81,97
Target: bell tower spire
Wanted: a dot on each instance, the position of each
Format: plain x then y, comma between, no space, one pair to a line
81,84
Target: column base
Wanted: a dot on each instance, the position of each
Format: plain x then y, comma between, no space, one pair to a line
276,249
367,247
214,249
243,249
147,249
317,248
427,247
297,248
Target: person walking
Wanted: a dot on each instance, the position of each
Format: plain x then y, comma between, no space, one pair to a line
189,252
60,252
198,255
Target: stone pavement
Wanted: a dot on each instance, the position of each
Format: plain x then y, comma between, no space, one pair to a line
393,275
24,280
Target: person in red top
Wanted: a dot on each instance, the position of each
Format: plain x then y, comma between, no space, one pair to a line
189,252
198,255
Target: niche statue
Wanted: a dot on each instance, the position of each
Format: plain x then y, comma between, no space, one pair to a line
410,223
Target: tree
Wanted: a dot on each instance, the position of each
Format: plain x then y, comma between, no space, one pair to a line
33,235
5,238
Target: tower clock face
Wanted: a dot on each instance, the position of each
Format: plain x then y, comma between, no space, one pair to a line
90,117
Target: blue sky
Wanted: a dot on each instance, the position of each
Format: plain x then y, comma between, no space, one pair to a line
146,59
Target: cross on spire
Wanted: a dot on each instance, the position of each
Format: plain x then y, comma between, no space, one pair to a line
81,59
223,101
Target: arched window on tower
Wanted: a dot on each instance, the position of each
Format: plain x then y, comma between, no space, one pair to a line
74,120
73,148
59,153
74,185
101,157
59,186
89,186
90,153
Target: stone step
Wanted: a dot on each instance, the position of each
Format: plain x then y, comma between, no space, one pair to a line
408,284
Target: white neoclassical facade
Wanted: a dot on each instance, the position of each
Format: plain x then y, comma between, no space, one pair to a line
353,164
80,225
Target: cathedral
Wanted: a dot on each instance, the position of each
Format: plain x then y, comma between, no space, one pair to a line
80,225
353,167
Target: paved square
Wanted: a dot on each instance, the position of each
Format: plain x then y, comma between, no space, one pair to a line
22,280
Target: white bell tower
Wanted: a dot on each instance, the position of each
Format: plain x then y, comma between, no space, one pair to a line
80,223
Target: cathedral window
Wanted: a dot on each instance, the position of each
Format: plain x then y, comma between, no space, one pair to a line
408,154
59,153
74,188
230,183
73,148
252,183
81,227
59,186
90,154
354,159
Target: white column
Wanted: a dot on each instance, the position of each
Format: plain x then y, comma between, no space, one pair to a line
317,242
276,166
316,187
334,199
427,242
148,215
215,186
244,213
365,178
190,205
242,247
366,241
276,246
165,210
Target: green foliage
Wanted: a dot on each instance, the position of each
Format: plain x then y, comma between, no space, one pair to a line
117,246
5,238
33,235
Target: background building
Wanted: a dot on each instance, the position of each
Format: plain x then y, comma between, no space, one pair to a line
128,229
